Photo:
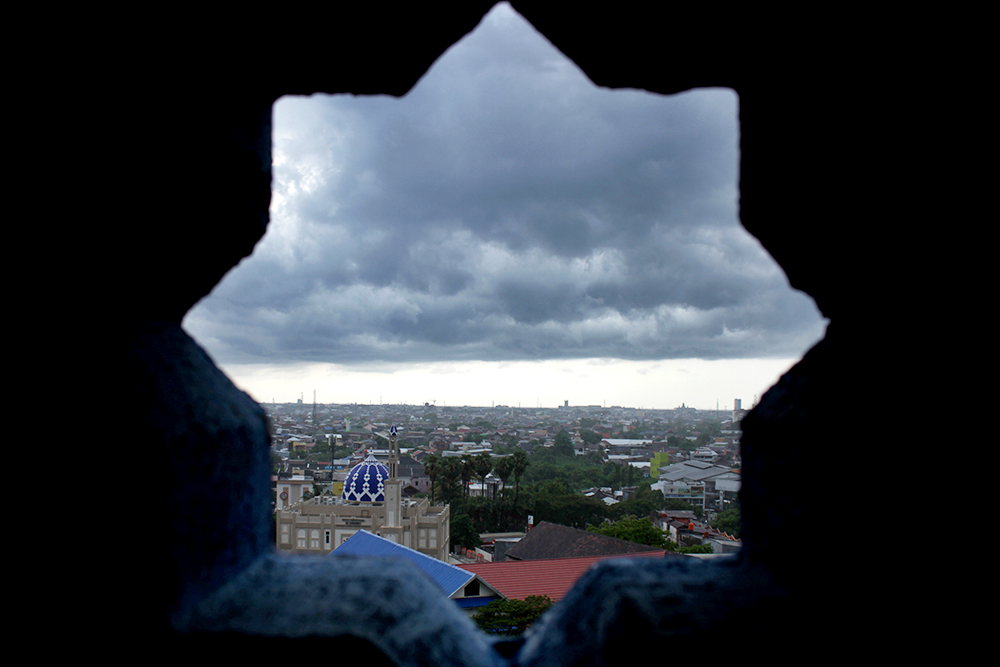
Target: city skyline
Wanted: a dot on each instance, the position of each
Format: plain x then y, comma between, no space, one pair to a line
507,233
427,383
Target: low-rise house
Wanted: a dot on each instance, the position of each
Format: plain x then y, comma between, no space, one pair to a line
551,540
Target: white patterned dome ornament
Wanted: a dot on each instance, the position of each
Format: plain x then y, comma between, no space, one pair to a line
366,482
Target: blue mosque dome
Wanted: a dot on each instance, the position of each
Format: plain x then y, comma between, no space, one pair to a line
366,482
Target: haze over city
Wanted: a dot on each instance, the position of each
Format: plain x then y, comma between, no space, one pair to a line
507,233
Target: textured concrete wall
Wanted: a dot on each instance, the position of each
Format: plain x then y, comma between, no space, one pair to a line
205,577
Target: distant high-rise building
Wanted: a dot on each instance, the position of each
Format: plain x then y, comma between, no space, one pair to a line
738,412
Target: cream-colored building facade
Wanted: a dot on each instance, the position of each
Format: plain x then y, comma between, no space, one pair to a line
371,500
320,525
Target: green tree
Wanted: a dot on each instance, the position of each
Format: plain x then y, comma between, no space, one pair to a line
634,530
450,474
463,532
504,468
519,465
563,445
431,469
483,467
567,509
645,501
466,470
511,617
728,521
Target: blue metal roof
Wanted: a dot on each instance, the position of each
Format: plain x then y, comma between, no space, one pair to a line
449,578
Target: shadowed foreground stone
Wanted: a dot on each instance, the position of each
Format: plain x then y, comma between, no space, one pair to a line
193,567
386,602
620,605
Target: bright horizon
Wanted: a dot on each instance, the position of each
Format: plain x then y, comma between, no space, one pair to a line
657,385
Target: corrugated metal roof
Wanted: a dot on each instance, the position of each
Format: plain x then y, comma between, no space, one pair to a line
448,577
517,579
695,470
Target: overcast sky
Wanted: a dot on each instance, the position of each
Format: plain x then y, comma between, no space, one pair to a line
508,233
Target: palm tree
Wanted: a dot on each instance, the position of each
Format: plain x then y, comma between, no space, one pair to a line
449,470
431,468
504,467
483,466
519,464
467,469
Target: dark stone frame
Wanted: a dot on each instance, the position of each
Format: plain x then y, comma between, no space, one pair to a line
204,160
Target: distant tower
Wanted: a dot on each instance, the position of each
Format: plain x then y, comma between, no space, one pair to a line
393,492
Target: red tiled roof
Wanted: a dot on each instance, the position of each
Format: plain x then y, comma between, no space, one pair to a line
517,579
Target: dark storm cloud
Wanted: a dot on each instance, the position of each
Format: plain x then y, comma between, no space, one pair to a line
505,209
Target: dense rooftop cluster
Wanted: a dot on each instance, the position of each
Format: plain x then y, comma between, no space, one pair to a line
578,466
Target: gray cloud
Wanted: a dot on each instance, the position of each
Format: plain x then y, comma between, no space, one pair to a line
505,209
